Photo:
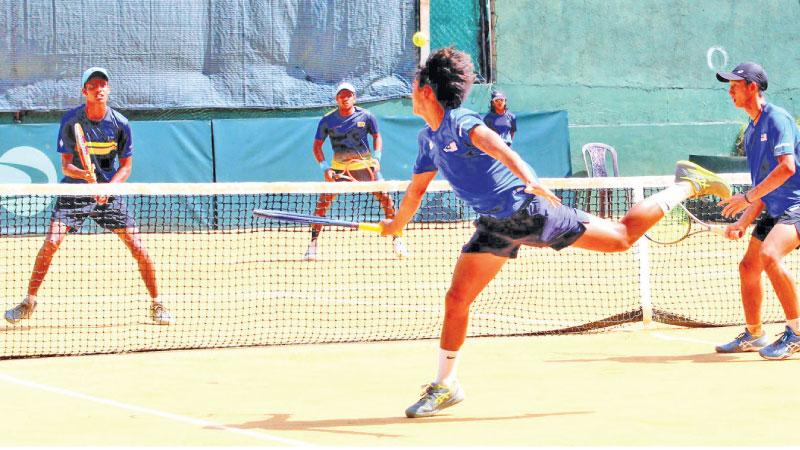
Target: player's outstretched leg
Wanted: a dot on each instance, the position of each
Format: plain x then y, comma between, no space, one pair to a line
22,311
703,181
744,342
435,398
784,347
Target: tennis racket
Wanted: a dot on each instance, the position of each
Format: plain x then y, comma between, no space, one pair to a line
308,219
86,158
83,150
678,225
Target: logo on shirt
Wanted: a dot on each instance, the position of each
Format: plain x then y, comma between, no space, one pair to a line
763,137
451,147
361,124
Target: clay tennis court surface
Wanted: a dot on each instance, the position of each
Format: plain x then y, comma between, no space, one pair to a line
660,385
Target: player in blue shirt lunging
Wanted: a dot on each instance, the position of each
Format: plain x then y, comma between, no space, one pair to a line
514,208
772,145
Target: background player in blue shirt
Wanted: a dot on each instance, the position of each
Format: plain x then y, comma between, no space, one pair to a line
349,127
772,145
110,143
514,209
499,119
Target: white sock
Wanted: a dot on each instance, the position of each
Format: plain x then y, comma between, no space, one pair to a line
671,196
448,362
794,324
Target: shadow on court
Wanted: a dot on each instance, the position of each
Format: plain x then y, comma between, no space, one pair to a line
284,422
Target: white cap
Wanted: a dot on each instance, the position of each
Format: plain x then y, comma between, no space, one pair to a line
91,71
344,85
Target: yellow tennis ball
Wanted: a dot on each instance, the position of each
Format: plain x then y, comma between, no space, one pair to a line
419,39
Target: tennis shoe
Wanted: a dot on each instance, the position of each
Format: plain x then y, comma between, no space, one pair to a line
783,348
744,342
311,251
399,248
22,311
703,181
159,314
435,398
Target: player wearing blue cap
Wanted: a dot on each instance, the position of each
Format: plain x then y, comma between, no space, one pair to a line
110,144
499,119
349,126
514,208
772,145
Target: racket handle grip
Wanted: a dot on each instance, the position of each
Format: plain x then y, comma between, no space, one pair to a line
373,227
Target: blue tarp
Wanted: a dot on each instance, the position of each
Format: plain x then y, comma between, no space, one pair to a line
205,53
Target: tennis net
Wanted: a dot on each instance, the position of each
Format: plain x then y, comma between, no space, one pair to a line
230,279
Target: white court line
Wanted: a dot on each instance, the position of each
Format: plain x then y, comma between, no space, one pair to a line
685,339
153,412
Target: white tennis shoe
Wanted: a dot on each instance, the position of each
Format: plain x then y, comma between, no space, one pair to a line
399,248
311,251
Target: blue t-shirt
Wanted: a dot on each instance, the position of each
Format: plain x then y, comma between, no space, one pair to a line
484,183
108,140
503,124
348,134
774,135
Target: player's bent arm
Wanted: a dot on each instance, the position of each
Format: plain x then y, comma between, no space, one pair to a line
317,150
72,170
125,168
492,144
737,229
786,168
410,203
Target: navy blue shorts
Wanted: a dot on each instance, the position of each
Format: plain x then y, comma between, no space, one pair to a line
765,224
537,224
73,211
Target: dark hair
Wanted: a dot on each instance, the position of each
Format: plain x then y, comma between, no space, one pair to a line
450,74
762,86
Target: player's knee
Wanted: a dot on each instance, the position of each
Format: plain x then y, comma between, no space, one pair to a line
749,265
769,259
456,303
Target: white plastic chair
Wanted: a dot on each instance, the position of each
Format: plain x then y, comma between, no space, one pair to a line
596,156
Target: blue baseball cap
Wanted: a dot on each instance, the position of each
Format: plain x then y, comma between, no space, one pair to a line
93,71
748,71
498,94
342,86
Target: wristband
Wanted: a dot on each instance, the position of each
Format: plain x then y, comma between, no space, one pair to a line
377,154
324,165
747,199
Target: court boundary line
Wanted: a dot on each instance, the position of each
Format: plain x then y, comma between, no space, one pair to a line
153,412
665,337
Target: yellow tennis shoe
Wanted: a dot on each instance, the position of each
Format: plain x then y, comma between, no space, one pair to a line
703,181
435,398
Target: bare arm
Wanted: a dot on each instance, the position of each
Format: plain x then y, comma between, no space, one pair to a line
410,203
492,144
320,157
377,143
125,169
778,176
73,171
